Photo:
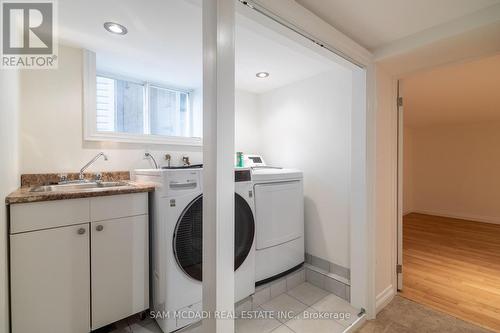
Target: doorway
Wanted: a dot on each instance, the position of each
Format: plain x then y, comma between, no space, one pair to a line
448,219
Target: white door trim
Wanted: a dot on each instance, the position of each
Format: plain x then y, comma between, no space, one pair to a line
218,170
362,190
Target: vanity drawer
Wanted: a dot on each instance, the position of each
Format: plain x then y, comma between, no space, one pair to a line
117,206
48,214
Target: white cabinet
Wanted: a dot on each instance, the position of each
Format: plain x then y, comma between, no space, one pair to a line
50,276
48,214
116,206
120,269
73,260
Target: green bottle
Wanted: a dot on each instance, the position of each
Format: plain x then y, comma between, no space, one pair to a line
239,159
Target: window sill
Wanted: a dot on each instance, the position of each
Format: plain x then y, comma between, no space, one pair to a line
149,139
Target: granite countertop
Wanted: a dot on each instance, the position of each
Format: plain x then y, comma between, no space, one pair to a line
24,194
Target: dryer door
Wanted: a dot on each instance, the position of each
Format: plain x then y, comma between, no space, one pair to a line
279,210
187,241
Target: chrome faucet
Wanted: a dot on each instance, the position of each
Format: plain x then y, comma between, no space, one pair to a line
148,155
82,170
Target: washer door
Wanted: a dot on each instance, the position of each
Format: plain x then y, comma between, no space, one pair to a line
188,236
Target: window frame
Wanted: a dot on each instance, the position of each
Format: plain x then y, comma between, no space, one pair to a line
90,132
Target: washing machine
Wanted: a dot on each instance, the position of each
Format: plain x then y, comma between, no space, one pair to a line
279,220
176,267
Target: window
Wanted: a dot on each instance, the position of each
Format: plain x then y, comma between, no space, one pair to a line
128,110
121,107
169,112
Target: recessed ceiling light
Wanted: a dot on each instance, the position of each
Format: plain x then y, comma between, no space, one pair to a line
115,28
262,75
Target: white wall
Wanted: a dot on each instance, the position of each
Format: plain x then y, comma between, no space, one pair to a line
247,131
9,171
455,171
306,125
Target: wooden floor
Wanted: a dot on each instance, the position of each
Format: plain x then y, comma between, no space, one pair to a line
453,266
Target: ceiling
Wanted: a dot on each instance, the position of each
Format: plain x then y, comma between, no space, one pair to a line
157,47
164,44
474,44
259,49
453,95
375,24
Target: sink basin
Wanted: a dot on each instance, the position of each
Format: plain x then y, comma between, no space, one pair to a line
90,186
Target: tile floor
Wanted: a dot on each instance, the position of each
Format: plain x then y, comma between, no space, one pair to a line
298,310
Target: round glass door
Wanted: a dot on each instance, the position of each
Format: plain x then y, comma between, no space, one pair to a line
188,236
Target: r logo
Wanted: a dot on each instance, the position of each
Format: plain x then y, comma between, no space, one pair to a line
27,28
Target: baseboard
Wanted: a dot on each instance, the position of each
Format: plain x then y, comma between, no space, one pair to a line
354,327
328,274
384,298
333,283
328,266
484,219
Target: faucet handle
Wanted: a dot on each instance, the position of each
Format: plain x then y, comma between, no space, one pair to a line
185,159
98,176
63,177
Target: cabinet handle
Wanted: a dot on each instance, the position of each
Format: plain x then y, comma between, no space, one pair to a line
81,231
99,228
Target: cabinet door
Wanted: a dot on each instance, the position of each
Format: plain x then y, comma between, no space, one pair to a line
50,280
120,269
